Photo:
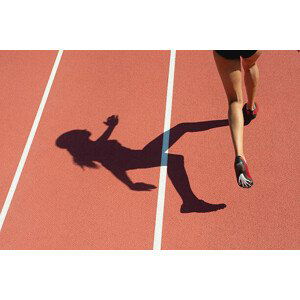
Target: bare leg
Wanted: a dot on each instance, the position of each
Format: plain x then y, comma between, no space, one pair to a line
230,73
251,77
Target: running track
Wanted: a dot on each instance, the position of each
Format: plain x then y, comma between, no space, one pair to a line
57,205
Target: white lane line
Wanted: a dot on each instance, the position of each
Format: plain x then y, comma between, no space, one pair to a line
164,157
22,161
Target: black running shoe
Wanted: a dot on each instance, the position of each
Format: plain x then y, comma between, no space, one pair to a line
243,176
249,114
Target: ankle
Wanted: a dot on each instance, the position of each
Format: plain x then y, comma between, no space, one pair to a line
250,106
242,156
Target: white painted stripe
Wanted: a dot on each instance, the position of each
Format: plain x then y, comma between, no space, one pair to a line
164,157
22,161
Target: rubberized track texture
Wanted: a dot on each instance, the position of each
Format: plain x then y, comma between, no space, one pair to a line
59,205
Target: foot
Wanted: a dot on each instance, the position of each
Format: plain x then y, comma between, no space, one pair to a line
243,176
249,114
200,206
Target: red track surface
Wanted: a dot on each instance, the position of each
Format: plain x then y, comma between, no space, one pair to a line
23,75
267,215
57,205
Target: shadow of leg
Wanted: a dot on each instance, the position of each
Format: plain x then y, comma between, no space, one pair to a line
179,178
176,132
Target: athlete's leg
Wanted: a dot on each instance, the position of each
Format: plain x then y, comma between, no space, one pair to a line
230,73
251,77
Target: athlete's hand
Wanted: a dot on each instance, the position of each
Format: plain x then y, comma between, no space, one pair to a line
141,186
112,121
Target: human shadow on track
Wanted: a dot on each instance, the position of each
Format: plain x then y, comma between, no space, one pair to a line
118,159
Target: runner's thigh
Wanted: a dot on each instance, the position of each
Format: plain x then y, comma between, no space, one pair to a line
230,73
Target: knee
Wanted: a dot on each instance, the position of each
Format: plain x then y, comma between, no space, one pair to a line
177,158
180,158
180,126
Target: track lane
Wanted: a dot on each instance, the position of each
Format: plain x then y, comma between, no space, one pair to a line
23,76
267,215
60,206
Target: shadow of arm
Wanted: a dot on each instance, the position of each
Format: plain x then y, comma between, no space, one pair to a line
111,122
138,186
105,136
122,176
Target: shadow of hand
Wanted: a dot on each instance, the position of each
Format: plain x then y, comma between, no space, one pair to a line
112,121
141,186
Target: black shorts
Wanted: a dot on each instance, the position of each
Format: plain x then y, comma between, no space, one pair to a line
235,54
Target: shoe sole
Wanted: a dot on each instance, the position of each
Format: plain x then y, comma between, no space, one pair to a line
242,180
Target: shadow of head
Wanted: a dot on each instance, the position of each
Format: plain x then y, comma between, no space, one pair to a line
77,143
73,138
